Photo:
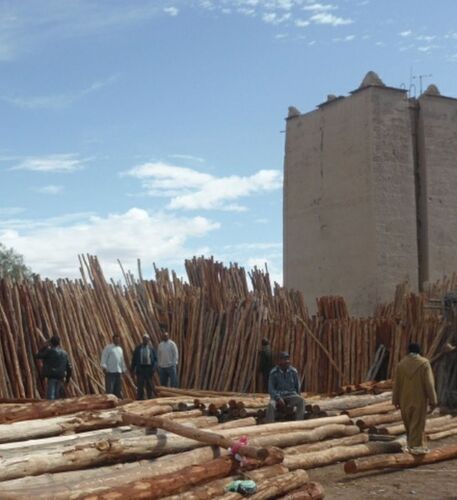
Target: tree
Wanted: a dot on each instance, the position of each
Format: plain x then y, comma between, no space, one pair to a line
12,264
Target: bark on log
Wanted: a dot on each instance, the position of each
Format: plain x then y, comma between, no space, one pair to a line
365,422
349,402
33,445
430,425
213,489
46,409
442,434
60,485
173,415
300,437
337,454
100,452
279,427
374,409
162,486
217,488
279,486
206,437
198,422
263,473
400,461
325,445
80,422
309,491
234,424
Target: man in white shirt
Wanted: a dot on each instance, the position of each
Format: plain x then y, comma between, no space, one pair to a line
114,366
167,354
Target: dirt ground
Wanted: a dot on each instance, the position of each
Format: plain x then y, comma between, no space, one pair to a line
434,482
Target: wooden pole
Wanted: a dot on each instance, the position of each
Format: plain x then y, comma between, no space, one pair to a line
200,435
400,461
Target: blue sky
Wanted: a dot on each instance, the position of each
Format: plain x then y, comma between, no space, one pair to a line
153,129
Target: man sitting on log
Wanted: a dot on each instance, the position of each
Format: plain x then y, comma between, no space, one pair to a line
414,386
284,389
56,367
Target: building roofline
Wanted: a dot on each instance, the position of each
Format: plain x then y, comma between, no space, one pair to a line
383,87
436,96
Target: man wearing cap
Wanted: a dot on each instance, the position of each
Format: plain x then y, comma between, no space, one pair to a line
284,389
144,361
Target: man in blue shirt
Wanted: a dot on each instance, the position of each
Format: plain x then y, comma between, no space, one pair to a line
284,389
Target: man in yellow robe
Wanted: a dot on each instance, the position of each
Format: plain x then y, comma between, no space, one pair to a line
414,387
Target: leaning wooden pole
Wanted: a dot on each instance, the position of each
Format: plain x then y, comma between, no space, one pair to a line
200,435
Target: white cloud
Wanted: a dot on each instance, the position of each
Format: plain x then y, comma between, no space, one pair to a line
10,211
27,25
426,38
171,11
427,48
49,189
57,101
406,33
325,18
51,247
59,163
274,18
301,23
189,189
318,7
198,159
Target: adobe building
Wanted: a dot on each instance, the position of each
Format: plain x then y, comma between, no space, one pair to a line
370,194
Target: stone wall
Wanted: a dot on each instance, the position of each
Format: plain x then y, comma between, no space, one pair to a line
370,200
437,131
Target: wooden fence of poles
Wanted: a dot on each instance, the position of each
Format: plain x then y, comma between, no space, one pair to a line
217,319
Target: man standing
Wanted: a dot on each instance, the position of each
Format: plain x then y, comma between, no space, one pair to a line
266,362
56,367
284,389
168,361
414,387
144,361
113,365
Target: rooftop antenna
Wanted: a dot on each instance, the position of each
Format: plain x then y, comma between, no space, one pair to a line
420,78
412,87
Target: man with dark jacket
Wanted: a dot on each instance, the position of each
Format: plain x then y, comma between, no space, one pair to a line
266,362
144,361
56,366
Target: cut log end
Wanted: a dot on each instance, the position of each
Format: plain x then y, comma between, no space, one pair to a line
350,467
262,454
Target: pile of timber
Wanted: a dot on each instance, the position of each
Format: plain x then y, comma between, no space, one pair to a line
99,447
217,321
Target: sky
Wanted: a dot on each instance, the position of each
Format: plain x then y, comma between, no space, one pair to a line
154,129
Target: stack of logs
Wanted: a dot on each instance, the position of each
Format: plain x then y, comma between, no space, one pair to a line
216,321
96,447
